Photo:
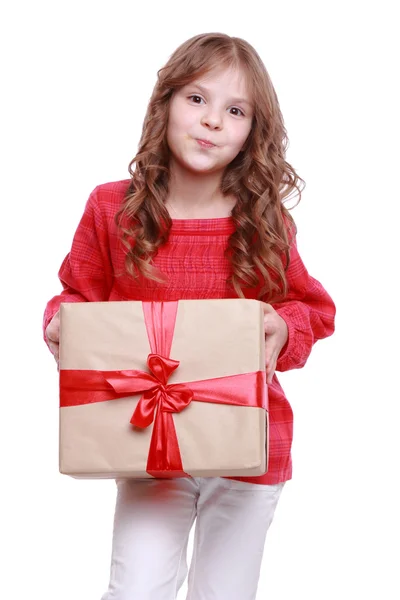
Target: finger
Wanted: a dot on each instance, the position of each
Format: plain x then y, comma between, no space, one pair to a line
53,333
270,326
53,328
271,342
270,373
52,339
271,357
270,370
269,351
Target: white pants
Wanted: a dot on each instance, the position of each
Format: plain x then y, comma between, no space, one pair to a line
153,519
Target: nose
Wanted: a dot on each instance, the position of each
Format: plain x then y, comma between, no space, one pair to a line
212,120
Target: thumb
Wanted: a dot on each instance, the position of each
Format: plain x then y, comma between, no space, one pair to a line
53,328
267,308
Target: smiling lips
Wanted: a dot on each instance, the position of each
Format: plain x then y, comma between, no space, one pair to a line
205,143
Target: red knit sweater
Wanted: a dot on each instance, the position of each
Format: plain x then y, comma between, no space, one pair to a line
196,267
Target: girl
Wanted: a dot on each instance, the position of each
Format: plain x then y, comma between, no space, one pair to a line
202,216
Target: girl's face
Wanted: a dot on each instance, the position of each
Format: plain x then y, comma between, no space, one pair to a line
209,121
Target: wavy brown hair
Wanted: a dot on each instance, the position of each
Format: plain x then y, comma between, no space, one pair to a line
259,177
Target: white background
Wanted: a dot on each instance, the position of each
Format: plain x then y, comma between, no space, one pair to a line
76,79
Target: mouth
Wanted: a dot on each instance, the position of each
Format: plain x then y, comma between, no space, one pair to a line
205,143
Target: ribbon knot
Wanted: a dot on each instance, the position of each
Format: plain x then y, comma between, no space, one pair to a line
157,393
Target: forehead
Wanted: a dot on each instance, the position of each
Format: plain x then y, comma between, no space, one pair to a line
233,81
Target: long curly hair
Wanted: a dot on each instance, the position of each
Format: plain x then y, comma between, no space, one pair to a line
259,177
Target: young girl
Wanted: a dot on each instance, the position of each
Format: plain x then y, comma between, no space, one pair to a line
202,216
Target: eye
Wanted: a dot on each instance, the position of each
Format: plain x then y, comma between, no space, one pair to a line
196,99
238,113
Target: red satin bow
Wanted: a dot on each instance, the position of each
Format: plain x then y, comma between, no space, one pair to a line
170,398
157,404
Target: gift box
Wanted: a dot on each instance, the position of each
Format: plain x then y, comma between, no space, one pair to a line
163,389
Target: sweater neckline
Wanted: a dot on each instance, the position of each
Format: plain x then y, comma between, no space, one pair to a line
218,225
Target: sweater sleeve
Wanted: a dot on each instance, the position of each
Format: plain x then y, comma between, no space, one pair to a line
308,311
86,272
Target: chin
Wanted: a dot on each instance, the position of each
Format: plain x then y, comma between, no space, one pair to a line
197,170
201,167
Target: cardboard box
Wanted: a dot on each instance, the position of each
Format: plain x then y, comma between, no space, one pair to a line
222,429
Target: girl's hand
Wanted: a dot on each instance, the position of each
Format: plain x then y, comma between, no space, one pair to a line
53,335
276,335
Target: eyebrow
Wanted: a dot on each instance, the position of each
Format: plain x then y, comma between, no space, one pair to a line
234,100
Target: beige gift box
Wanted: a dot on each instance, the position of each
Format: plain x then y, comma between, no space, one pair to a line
211,339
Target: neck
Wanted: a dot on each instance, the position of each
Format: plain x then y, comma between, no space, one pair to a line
196,196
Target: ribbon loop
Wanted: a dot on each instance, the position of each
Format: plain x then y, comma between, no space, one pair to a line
162,367
176,398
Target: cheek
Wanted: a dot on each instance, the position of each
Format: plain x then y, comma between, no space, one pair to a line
173,131
180,119
244,135
238,137
244,132
177,136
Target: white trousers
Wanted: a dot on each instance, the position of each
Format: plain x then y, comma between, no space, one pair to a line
152,523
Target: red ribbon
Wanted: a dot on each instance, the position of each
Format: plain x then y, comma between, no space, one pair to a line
160,399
